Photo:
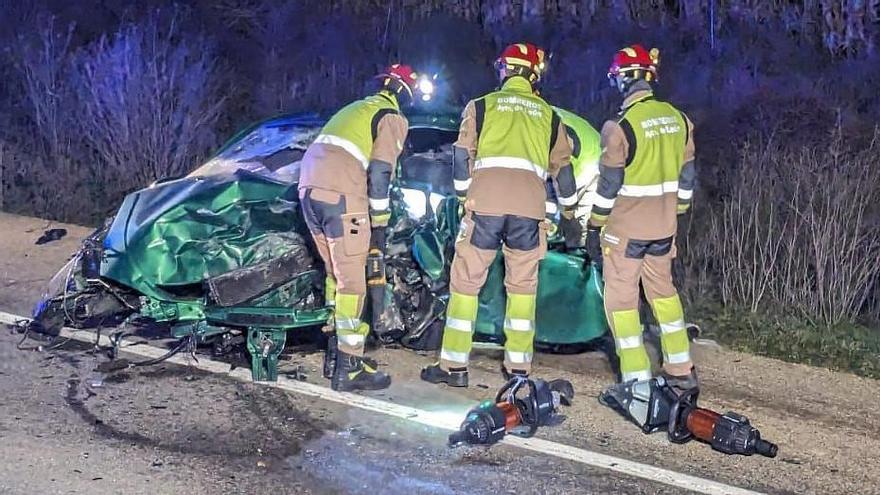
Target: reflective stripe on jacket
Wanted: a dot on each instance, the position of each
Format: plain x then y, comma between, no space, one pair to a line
657,133
644,152
516,129
353,128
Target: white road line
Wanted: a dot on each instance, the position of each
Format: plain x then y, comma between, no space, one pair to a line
421,416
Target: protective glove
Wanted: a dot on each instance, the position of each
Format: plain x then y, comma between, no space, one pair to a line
551,228
683,208
594,244
570,227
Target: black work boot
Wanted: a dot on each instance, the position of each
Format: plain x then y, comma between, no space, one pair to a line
356,373
513,372
455,377
683,383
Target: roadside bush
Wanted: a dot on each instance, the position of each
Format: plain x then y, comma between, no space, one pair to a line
149,97
5,158
112,116
42,59
44,164
797,231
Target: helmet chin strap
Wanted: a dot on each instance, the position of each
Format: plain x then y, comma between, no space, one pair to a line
397,91
387,92
622,84
530,76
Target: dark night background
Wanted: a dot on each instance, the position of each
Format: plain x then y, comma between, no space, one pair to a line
101,97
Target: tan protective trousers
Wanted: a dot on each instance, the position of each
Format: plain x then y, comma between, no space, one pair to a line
626,262
523,244
340,226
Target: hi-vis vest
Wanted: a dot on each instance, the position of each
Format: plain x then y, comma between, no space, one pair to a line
657,133
354,127
515,129
587,147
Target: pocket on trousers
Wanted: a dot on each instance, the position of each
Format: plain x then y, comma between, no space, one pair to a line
662,247
543,229
612,242
355,234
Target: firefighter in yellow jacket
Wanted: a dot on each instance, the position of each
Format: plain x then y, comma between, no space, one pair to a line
509,142
344,194
585,151
646,178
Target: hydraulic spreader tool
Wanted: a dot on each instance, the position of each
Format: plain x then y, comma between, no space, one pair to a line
519,408
655,406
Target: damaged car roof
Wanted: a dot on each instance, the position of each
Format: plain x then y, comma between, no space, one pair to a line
273,147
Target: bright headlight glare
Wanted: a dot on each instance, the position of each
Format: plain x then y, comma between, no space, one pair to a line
426,86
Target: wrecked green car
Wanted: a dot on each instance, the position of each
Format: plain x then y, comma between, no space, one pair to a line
223,258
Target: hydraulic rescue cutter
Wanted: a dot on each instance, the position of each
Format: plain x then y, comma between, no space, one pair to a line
654,406
520,407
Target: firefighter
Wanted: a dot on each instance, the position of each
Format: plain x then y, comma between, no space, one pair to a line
646,178
344,193
584,141
509,142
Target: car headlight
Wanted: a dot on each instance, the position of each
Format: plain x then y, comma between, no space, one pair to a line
426,88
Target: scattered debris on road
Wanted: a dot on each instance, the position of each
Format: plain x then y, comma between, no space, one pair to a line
51,235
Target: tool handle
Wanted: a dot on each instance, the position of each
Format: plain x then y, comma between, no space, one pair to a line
677,428
730,433
378,238
765,448
376,278
701,422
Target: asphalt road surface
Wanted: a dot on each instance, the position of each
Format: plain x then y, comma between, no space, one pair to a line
67,428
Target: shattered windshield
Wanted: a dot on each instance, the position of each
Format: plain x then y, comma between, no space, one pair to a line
273,149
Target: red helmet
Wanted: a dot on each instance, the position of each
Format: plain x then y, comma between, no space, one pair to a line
398,77
524,59
635,62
